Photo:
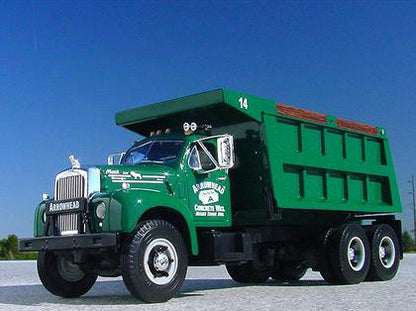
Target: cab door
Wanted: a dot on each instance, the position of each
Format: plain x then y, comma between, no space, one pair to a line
208,186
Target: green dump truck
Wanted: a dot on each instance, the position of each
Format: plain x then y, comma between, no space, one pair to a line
223,177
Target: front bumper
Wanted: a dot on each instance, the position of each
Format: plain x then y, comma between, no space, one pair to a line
74,242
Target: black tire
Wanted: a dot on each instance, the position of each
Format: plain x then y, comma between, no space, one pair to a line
247,273
289,272
63,278
326,270
385,253
154,261
350,254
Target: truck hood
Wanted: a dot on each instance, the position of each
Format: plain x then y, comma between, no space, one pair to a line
143,176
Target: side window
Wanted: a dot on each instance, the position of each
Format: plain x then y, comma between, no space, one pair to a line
193,161
206,162
199,159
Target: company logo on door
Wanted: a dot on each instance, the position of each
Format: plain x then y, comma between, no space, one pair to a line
209,193
208,196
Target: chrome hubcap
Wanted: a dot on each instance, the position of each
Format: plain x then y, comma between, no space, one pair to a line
386,252
160,261
356,254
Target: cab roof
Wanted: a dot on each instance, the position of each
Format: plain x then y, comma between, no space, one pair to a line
217,107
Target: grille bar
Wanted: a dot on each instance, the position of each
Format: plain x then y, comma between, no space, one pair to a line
70,187
68,223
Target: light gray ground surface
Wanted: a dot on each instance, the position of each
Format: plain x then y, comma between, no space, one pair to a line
210,288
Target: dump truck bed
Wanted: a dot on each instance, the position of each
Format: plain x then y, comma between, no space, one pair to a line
323,162
316,162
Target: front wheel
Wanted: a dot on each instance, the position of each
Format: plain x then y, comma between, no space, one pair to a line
154,261
63,278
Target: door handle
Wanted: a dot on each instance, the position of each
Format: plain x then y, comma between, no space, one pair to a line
221,178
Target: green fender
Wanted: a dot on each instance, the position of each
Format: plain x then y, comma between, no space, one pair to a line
127,206
39,226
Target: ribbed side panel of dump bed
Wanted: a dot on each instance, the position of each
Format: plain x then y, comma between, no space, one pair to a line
317,164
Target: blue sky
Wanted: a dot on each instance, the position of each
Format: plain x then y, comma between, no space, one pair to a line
66,67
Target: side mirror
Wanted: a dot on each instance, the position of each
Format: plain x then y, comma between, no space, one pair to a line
225,146
115,158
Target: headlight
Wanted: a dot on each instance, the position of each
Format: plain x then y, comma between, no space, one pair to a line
100,210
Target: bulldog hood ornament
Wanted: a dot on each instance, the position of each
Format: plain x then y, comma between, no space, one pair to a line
74,161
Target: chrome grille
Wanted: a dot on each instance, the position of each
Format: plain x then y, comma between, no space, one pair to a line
68,223
70,187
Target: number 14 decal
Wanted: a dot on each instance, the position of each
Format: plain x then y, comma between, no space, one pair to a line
243,103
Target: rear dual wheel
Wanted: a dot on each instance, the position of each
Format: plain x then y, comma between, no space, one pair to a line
385,253
346,255
326,270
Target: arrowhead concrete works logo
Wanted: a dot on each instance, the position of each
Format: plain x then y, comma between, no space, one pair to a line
208,196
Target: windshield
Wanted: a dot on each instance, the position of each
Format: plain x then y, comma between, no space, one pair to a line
158,151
